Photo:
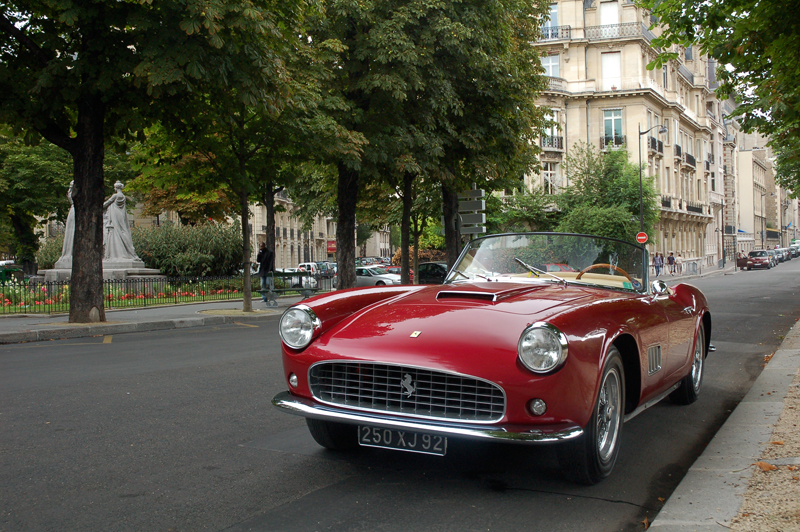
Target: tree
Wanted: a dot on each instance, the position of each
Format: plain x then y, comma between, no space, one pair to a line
33,188
77,73
603,198
757,44
442,91
523,211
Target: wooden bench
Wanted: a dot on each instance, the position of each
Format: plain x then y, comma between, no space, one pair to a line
295,282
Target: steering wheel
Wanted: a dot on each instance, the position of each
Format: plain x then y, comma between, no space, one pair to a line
610,266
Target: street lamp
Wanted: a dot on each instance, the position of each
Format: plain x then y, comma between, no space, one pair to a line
662,129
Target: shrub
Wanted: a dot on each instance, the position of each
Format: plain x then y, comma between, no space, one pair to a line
425,255
183,251
49,252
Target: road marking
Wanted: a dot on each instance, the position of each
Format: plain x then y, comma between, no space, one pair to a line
245,324
107,339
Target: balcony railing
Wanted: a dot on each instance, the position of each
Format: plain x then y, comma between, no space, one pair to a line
556,33
678,151
660,146
689,159
652,143
692,206
666,202
552,143
616,31
557,84
614,141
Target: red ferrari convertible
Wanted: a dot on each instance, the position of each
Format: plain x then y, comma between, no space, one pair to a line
504,350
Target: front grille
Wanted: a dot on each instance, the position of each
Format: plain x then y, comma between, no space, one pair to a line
407,391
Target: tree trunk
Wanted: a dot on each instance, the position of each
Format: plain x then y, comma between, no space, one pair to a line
268,200
405,228
247,301
86,286
347,196
452,230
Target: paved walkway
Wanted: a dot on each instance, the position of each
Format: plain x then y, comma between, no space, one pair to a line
707,499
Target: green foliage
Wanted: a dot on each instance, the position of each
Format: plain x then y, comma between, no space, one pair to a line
204,249
425,255
757,45
49,252
431,237
523,211
603,198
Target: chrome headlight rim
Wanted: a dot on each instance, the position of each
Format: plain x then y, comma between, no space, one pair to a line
314,322
560,339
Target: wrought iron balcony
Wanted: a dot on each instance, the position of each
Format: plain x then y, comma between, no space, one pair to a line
666,202
556,33
652,143
616,31
708,166
552,143
692,206
678,151
610,142
660,146
689,159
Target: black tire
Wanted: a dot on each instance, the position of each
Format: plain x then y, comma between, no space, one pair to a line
333,436
690,384
380,283
591,457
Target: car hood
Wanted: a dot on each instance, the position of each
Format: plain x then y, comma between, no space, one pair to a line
477,320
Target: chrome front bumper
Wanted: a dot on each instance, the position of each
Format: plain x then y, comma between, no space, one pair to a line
308,408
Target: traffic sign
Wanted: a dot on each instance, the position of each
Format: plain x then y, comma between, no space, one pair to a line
641,237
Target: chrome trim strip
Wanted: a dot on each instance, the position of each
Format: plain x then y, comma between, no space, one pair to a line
445,372
652,402
308,408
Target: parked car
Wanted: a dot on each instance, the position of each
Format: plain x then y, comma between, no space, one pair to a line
303,279
787,254
432,272
779,255
375,276
758,258
310,267
396,270
559,268
503,351
773,257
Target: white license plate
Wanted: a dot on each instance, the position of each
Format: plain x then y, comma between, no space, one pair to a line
401,440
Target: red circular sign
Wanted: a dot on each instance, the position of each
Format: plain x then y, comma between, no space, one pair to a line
641,237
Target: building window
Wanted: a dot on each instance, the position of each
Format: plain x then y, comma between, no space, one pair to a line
550,175
666,78
612,77
612,127
713,183
550,63
550,28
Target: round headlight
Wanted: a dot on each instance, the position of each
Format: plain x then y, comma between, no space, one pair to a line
542,348
297,327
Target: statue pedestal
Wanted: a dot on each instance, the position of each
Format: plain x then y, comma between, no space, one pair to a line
117,270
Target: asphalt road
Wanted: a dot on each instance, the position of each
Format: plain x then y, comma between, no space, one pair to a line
174,431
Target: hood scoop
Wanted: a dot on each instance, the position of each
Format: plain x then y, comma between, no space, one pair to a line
479,296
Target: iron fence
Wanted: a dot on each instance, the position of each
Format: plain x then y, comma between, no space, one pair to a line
35,296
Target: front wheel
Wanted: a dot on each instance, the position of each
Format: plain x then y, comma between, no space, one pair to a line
380,283
690,384
333,436
591,457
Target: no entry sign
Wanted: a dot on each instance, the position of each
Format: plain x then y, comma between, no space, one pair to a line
641,237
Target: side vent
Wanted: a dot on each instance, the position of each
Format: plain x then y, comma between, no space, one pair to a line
654,359
479,296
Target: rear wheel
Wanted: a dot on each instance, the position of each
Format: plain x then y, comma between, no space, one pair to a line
591,457
690,384
334,436
380,283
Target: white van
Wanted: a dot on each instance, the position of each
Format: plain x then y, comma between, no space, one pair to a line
309,267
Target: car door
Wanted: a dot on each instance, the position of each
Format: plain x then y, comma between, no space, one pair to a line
363,277
680,315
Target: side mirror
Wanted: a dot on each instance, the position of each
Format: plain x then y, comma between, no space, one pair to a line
659,287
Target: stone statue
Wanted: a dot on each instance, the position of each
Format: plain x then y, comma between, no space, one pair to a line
65,262
118,241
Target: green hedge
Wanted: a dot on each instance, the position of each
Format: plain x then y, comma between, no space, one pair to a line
176,250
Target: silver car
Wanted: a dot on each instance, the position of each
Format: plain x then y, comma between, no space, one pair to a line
375,276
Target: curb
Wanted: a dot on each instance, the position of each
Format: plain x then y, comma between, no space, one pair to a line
712,492
100,329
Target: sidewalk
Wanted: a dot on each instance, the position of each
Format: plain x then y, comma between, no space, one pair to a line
15,328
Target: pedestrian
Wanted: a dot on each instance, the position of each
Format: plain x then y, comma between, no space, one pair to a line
266,265
671,263
658,263
679,264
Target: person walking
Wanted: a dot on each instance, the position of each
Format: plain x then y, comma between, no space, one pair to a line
658,263
671,263
266,265
679,264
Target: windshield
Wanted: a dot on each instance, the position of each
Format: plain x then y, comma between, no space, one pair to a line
553,257
758,253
